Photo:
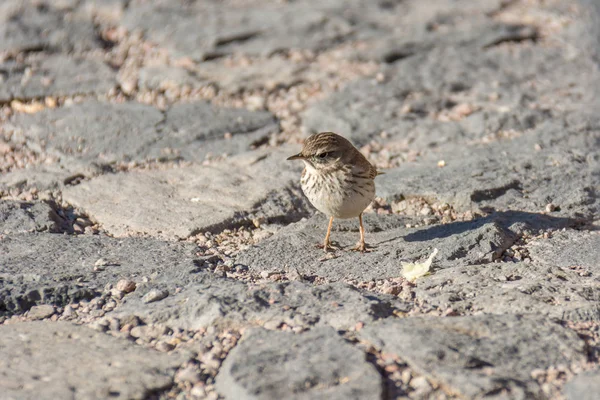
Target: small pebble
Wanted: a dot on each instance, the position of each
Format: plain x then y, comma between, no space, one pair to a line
116,293
198,391
420,384
154,295
188,374
100,326
149,331
126,285
101,262
40,312
164,346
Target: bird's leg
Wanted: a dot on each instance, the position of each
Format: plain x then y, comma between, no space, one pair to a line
360,246
327,243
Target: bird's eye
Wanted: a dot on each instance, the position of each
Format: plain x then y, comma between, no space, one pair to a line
323,155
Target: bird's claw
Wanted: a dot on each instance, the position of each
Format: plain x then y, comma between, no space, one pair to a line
328,247
362,247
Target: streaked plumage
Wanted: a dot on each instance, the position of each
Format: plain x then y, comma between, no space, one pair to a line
337,179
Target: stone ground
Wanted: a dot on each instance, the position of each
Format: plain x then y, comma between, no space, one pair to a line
155,244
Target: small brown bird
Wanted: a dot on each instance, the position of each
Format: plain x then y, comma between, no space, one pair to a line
337,179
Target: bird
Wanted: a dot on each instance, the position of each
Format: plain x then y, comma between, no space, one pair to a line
337,179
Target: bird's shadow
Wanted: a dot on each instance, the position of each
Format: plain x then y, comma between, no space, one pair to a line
516,220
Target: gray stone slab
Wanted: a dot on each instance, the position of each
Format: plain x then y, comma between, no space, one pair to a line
479,356
106,132
55,75
509,175
417,28
585,386
26,26
429,84
272,73
568,249
206,30
196,130
314,365
504,288
50,176
61,269
183,201
587,32
22,217
459,243
100,132
227,303
165,77
58,360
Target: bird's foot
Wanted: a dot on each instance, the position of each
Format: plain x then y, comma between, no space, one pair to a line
328,246
362,247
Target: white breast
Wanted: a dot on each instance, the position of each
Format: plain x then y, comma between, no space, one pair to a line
338,194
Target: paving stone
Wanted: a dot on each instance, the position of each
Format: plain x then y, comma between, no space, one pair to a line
163,77
503,288
209,301
585,386
417,28
429,84
270,74
25,26
459,243
205,30
21,217
37,362
568,249
197,130
183,201
106,132
479,356
55,75
314,365
40,312
587,33
49,176
61,269
101,132
505,176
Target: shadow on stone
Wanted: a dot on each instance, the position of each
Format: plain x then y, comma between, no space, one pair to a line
516,221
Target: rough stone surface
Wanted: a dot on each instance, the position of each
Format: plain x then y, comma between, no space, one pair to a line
569,249
324,367
118,131
161,77
227,303
56,75
585,386
40,312
26,28
21,217
539,288
203,30
184,201
49,176
503,177
271,74
37,363
459,243
196,130
104,132
479,356
59,269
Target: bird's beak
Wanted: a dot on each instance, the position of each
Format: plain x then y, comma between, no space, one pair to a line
296,157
